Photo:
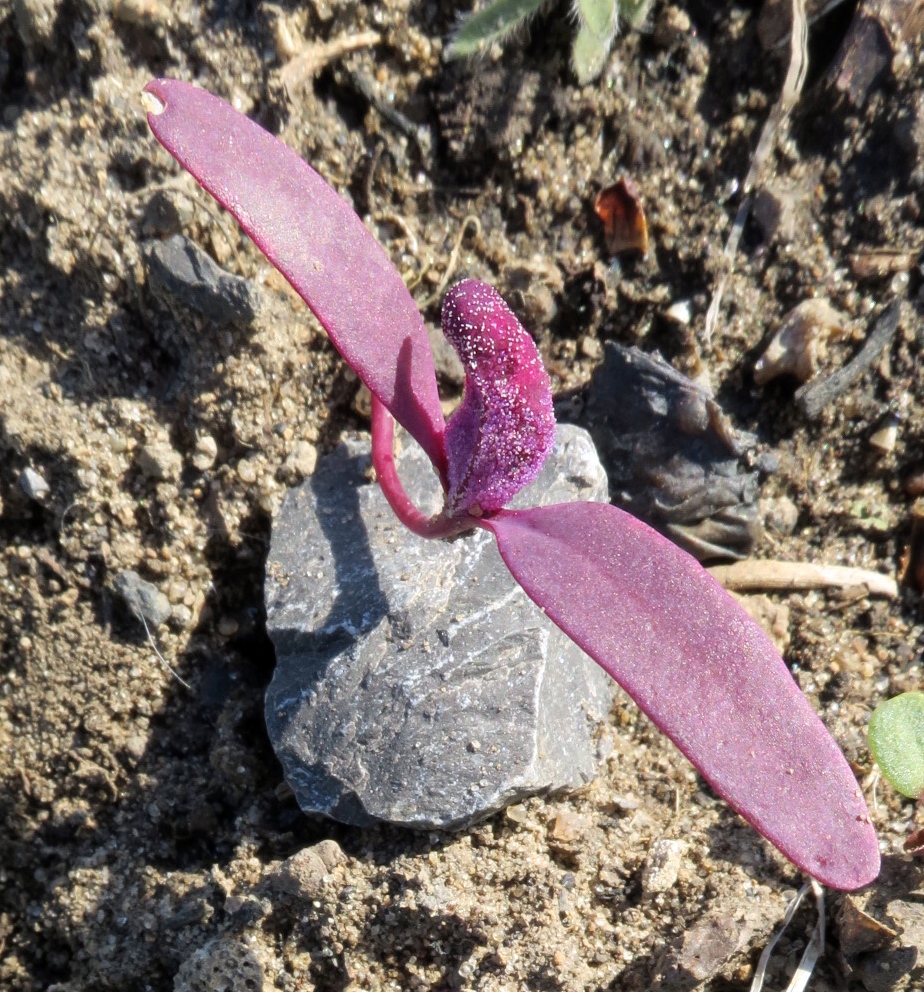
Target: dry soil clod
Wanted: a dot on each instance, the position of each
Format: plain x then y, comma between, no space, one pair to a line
801,343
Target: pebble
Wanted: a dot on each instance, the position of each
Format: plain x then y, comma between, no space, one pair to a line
227,626
302,875
180,616
662,865
679,313
165,215
142,598
206,453
672,25
225,964
780,515
33,484
591,348
246,471
158,460
800,345
180,271
140,13
883,439
302,460
35,21
568,826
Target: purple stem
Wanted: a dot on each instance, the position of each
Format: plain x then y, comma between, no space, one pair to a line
383,459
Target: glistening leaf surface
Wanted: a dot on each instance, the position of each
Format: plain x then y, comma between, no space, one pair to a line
317,242
502,432
896,739
702,670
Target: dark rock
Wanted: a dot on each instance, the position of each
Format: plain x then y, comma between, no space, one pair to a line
672,455
178,270
415,683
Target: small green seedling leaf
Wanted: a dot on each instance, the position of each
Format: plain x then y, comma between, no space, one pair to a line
896,739
634,11
588,54
600,17
493,22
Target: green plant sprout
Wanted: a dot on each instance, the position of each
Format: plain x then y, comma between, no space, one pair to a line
598,22
896,740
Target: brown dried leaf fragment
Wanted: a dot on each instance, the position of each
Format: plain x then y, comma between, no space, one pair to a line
620,208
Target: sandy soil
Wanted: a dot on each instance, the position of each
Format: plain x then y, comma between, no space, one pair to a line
148,839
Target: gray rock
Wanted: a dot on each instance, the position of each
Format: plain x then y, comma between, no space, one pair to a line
416,683
143,598
179,270
34,485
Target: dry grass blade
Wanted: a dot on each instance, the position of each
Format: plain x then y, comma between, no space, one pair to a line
813,950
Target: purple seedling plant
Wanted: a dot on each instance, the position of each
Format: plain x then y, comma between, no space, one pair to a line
646,611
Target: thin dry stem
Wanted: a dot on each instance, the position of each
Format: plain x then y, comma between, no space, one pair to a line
751,575
315,56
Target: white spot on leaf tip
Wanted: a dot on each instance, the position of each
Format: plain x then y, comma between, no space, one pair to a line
152,104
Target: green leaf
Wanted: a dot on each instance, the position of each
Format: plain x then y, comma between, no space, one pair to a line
589,55
896,740
600,17
634,11
492,23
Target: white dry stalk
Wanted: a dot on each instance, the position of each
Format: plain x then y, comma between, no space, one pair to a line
792,87
752,574
813,949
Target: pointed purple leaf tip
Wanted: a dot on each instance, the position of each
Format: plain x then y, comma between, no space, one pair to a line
702,670
316,240
500,435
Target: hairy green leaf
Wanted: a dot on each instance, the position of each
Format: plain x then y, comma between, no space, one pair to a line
492,23
633,12
600,17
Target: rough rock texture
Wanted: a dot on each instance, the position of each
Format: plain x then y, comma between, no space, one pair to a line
415,682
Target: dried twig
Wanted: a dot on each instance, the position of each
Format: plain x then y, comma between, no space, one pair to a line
814,396
751,575
313,57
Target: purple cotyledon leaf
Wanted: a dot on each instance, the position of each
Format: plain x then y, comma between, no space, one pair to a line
501,433
702,670
317,242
